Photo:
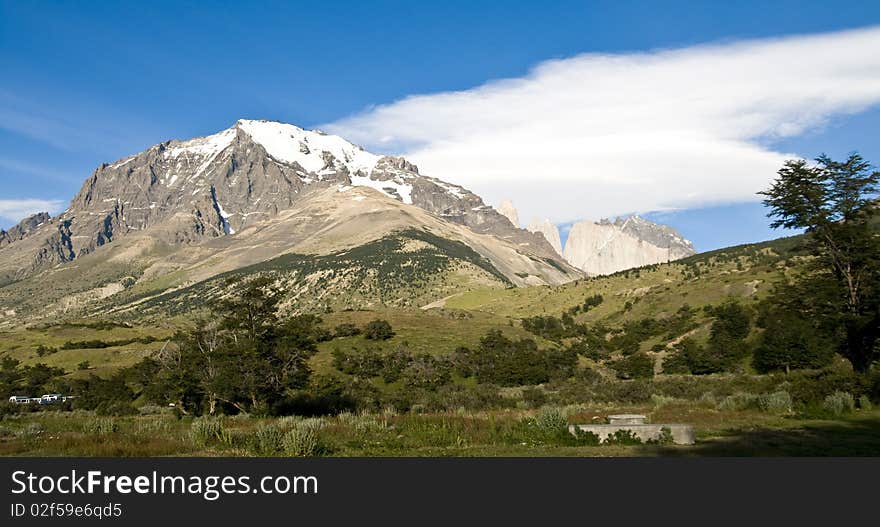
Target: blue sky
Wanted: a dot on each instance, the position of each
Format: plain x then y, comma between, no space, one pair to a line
90,82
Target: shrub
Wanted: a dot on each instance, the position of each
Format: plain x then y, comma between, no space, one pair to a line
534,397
790,342
206,429
812,387
505,362
153,427
268,439
839,403
378,330
42,350
776,402
361,422
737,401
551,420
636,391
665,437
865,403
661,400
301,441
636,366
30,430
622,437
346,330
153,409
426,372
101,426
584,438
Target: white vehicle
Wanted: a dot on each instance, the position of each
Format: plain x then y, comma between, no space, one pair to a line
50,398
19,399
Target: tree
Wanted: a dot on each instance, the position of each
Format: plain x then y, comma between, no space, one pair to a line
835,202
790,342
245,358
378,330
636,366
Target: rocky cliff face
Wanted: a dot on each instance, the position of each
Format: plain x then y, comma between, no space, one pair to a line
605,247
549,230
215,186
507,210
24,228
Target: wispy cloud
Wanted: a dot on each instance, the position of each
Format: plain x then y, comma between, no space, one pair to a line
24,167
14,210
597,135
71,126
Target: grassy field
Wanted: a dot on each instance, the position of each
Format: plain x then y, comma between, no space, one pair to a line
491,433
510,423
746,273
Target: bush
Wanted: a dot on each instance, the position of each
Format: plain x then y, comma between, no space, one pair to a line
812,387
637,391
789,342
665,437
426,372
636,366
738,401
301,441
101,426
505,362
776,402
30,430
839,403
551,420
42,350
268,439
534,397
378,330
622,437
153,427
865,403
206,429
346,330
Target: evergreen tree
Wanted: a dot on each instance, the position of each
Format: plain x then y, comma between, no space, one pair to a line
835,202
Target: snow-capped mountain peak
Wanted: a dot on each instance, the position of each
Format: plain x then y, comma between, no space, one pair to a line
308,148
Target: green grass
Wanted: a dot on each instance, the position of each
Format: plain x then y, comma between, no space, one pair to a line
490,433
21,344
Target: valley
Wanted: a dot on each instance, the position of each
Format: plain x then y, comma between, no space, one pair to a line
269,290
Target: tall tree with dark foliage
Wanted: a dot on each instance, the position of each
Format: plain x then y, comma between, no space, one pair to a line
836,203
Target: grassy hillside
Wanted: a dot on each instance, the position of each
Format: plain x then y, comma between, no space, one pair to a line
405,270
745,272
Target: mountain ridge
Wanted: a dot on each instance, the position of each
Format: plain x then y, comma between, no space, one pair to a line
221,183
183,211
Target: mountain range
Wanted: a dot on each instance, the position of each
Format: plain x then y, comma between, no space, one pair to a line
333,226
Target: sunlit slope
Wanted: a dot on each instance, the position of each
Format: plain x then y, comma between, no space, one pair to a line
746,272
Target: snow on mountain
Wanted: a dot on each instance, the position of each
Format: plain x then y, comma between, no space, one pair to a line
224,183
292,144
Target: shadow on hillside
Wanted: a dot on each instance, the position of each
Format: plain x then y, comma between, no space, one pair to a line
857,437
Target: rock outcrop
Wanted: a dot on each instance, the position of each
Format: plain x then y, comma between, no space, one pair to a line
600,248
549,230
23,229
507,210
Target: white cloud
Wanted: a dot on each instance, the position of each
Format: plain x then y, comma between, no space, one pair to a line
14,210
597,135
